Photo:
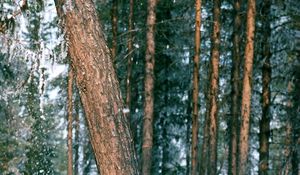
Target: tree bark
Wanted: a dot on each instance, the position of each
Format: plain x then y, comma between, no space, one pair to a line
213,95
264,133
70,121
246,93
149,84
114,26
98,88
195,115
235,91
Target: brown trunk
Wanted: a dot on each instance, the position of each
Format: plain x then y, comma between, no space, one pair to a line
246,93
114,26
195,118
70,121
149,84
235,91
76,139
98,88
264,133
213,95
130,58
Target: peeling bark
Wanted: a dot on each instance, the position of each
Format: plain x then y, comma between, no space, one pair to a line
98,88
246,93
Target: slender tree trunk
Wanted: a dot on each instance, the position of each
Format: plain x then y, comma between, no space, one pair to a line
295,120
130,57
98,88
76,139
188,133
70,121
286,164
235,92
114,26
214,81
204,150
246,93
149,85
195,118
264,133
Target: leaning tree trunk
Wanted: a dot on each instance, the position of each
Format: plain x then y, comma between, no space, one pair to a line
246,93
264,126
149,85
213,95
195,115
98,88
235,91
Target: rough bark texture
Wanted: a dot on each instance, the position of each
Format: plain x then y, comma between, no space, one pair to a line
246,93
235,91
114,26
70,121
149,84
213,95
130,57
195,118
264,126
98,88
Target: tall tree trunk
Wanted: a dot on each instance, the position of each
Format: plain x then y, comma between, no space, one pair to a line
204,150
149,84
214,81
70,121
130,57
264,126
246,93
114,26
76,139
235,91
195,118
188,133
98,88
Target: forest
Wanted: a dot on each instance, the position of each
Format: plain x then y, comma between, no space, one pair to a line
160,87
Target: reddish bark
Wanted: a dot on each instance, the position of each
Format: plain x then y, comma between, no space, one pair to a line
195,115
149,85
98,88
